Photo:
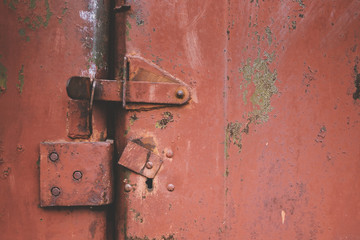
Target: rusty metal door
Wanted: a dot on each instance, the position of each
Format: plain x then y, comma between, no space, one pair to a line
230,119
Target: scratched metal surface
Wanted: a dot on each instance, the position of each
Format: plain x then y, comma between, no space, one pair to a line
268,147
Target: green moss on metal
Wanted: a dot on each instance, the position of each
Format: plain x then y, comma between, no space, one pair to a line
234,133
128,24
33,19
259,81
3,77
22,32
64,10
301,3
127,32
32,4
258,73
167,118
268,35
20,84
48,13
12,4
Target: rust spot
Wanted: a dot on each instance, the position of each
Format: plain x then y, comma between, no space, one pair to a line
308,78
6,173
20,148
167,118
235,131
163,237
133,118
137,216
321,135
147,143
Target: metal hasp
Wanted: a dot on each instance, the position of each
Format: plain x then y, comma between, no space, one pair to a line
140,160
146,83
76,173
136,92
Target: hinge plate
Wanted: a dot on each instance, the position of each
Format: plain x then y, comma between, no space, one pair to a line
76,173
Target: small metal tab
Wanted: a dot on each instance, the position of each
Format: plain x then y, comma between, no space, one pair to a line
81,176
78,119
136,158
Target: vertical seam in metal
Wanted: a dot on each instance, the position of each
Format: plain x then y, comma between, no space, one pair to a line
225,91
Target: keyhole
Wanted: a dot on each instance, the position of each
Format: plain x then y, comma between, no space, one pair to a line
149,183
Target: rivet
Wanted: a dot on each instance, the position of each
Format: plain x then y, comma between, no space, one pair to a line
170,187
55,191
180,94
54,156
77,175
169,153
127,187
149,165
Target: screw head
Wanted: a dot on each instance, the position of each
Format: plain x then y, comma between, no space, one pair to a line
127,187
180,94
53,156
77,175
55,191
149,165
170,187
169,153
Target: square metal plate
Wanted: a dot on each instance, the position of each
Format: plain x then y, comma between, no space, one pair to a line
76,173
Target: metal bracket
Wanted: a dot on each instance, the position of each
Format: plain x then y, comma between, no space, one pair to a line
76,173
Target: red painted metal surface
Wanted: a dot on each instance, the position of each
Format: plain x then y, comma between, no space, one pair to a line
267,147
42,44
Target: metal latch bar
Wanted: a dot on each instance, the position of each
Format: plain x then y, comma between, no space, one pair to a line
136,91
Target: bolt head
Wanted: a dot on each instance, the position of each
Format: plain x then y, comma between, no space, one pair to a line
169,153
55,191
53,156
127,187
170,187
180,94
149,165
77,175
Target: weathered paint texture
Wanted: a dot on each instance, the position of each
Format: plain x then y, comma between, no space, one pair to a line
257,73
266,148
167,118
38,56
